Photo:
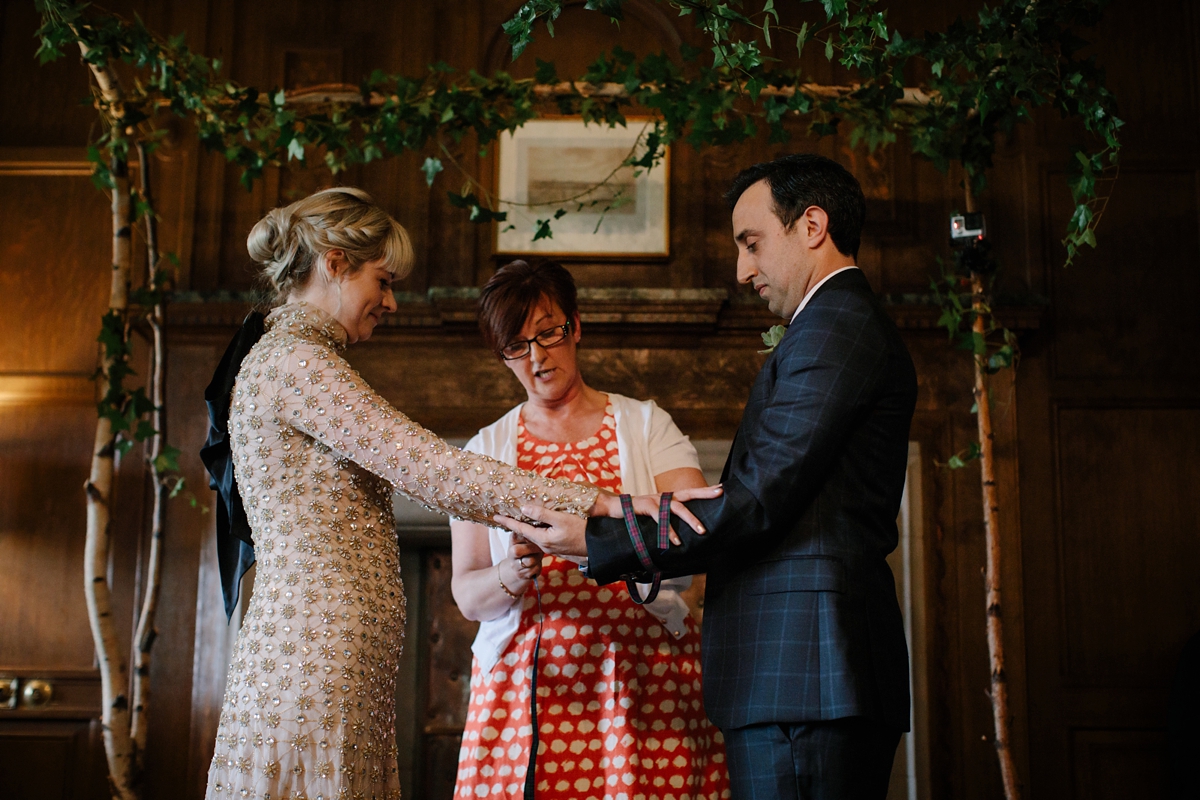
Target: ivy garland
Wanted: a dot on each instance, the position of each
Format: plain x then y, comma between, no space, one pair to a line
979,79
982,80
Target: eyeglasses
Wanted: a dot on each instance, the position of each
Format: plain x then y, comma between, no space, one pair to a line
547,339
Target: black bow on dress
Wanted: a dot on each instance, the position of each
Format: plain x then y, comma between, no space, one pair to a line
235,547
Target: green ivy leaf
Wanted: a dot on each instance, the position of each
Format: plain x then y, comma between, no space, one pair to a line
546,72
431,168
960,460
168,460
543,230
144,430
610,8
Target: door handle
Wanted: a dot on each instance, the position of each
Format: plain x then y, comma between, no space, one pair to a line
37,693
9,691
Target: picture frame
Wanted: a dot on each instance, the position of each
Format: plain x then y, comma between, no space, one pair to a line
548,164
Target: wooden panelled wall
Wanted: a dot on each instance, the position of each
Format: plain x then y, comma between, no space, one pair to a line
1099,436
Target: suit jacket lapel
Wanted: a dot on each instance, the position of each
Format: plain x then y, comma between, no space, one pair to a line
764,384
759,392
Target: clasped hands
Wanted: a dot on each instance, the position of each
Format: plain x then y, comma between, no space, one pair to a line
563,534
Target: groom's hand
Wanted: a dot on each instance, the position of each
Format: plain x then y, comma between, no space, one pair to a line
557,533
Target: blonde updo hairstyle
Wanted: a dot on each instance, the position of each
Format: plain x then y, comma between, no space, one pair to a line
287,242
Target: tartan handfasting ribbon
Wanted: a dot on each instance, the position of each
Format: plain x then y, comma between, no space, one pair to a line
639,545
664,521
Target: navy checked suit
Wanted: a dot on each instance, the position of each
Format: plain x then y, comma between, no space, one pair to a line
801,621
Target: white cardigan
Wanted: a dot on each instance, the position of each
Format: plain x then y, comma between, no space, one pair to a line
648,444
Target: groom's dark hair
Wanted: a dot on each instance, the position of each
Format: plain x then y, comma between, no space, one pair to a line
802,180
514,291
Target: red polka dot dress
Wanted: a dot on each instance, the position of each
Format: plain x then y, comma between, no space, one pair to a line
620,714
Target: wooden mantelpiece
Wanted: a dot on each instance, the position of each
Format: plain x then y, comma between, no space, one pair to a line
609,310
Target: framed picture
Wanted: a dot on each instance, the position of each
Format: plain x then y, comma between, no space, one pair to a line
549,165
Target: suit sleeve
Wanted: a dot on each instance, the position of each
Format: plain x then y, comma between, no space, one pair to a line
825,374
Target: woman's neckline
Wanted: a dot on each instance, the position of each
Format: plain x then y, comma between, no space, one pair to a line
308,321
609,412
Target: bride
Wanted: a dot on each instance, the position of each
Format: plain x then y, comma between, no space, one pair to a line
309,702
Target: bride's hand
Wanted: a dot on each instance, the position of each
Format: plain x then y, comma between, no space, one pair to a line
647,505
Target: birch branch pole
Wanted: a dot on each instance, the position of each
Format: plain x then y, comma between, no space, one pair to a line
114,678
146,632
123,727
991,523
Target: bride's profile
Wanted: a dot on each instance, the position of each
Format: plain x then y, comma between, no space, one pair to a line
309,706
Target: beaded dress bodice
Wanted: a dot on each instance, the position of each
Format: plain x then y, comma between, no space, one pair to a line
309,708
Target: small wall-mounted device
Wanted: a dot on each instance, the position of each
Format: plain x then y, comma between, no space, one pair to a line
966,228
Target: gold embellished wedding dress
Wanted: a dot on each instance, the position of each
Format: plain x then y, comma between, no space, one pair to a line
309,710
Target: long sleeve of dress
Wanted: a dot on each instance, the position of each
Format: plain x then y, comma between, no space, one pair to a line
305,387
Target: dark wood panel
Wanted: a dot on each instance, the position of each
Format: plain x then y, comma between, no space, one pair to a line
187,677
449,650
44,458
1119,764
291,44
446,652
441,766
1123,310
55,246
51,761
44,105
1149,54
1129,483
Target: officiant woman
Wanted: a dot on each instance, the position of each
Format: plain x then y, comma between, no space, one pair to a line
619,707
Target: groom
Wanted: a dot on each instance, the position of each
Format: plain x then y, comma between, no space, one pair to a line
805,664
